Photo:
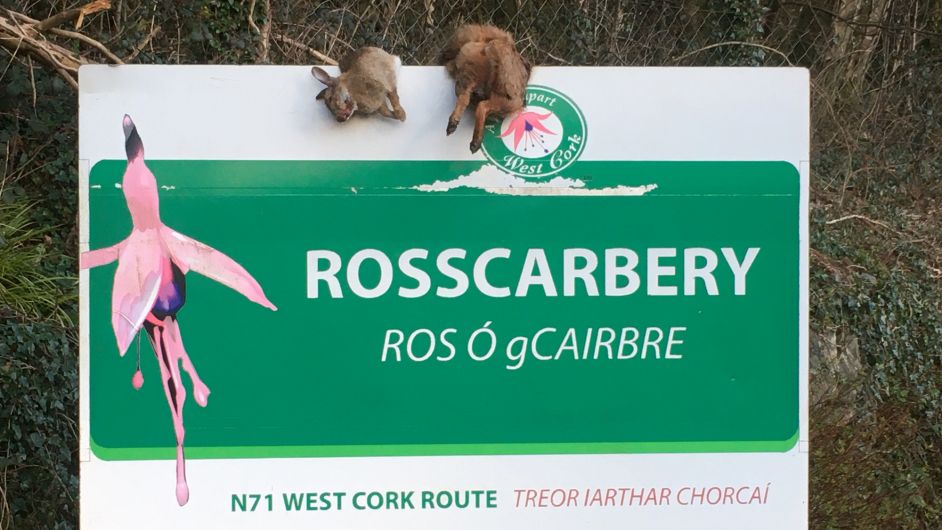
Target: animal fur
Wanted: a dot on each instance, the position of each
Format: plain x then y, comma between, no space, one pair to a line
366,82
489,73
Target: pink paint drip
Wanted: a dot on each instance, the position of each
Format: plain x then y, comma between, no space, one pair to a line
167,341
138,380
145,264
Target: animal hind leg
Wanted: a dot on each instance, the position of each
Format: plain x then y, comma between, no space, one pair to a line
384,111
480,116
398,112
464,98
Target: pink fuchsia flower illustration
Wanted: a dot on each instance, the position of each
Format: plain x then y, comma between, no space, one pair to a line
150,287
526,124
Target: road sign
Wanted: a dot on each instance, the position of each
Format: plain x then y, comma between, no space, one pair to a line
600,320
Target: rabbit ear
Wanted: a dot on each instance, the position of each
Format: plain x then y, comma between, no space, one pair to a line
323,76
321,94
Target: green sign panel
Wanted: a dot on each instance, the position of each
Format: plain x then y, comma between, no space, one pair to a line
416,317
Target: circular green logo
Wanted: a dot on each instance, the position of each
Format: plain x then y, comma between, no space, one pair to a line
545,138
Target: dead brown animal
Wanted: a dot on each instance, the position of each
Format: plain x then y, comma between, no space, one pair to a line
489,72
367,80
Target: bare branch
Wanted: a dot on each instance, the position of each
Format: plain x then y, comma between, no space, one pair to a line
32,79
864,24
90,41
78,14
311,51
734,43
18,31
252,18
264,33
154,30
60,59
263,45
14,38
862,218
70,34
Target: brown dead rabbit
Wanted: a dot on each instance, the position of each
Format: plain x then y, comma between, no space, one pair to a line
366,81
488,72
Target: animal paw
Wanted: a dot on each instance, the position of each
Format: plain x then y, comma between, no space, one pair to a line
452,125
475,146
400,114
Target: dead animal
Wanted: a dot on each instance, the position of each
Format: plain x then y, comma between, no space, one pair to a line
367,80
489,73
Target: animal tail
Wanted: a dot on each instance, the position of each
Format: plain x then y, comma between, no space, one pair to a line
479,33
397,67
452,48
448,55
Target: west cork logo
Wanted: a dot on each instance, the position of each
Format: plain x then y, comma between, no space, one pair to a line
545,138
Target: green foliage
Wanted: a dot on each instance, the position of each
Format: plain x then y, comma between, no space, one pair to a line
739,21
38,424
25,288
38,341
217,31
881,461
875,277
